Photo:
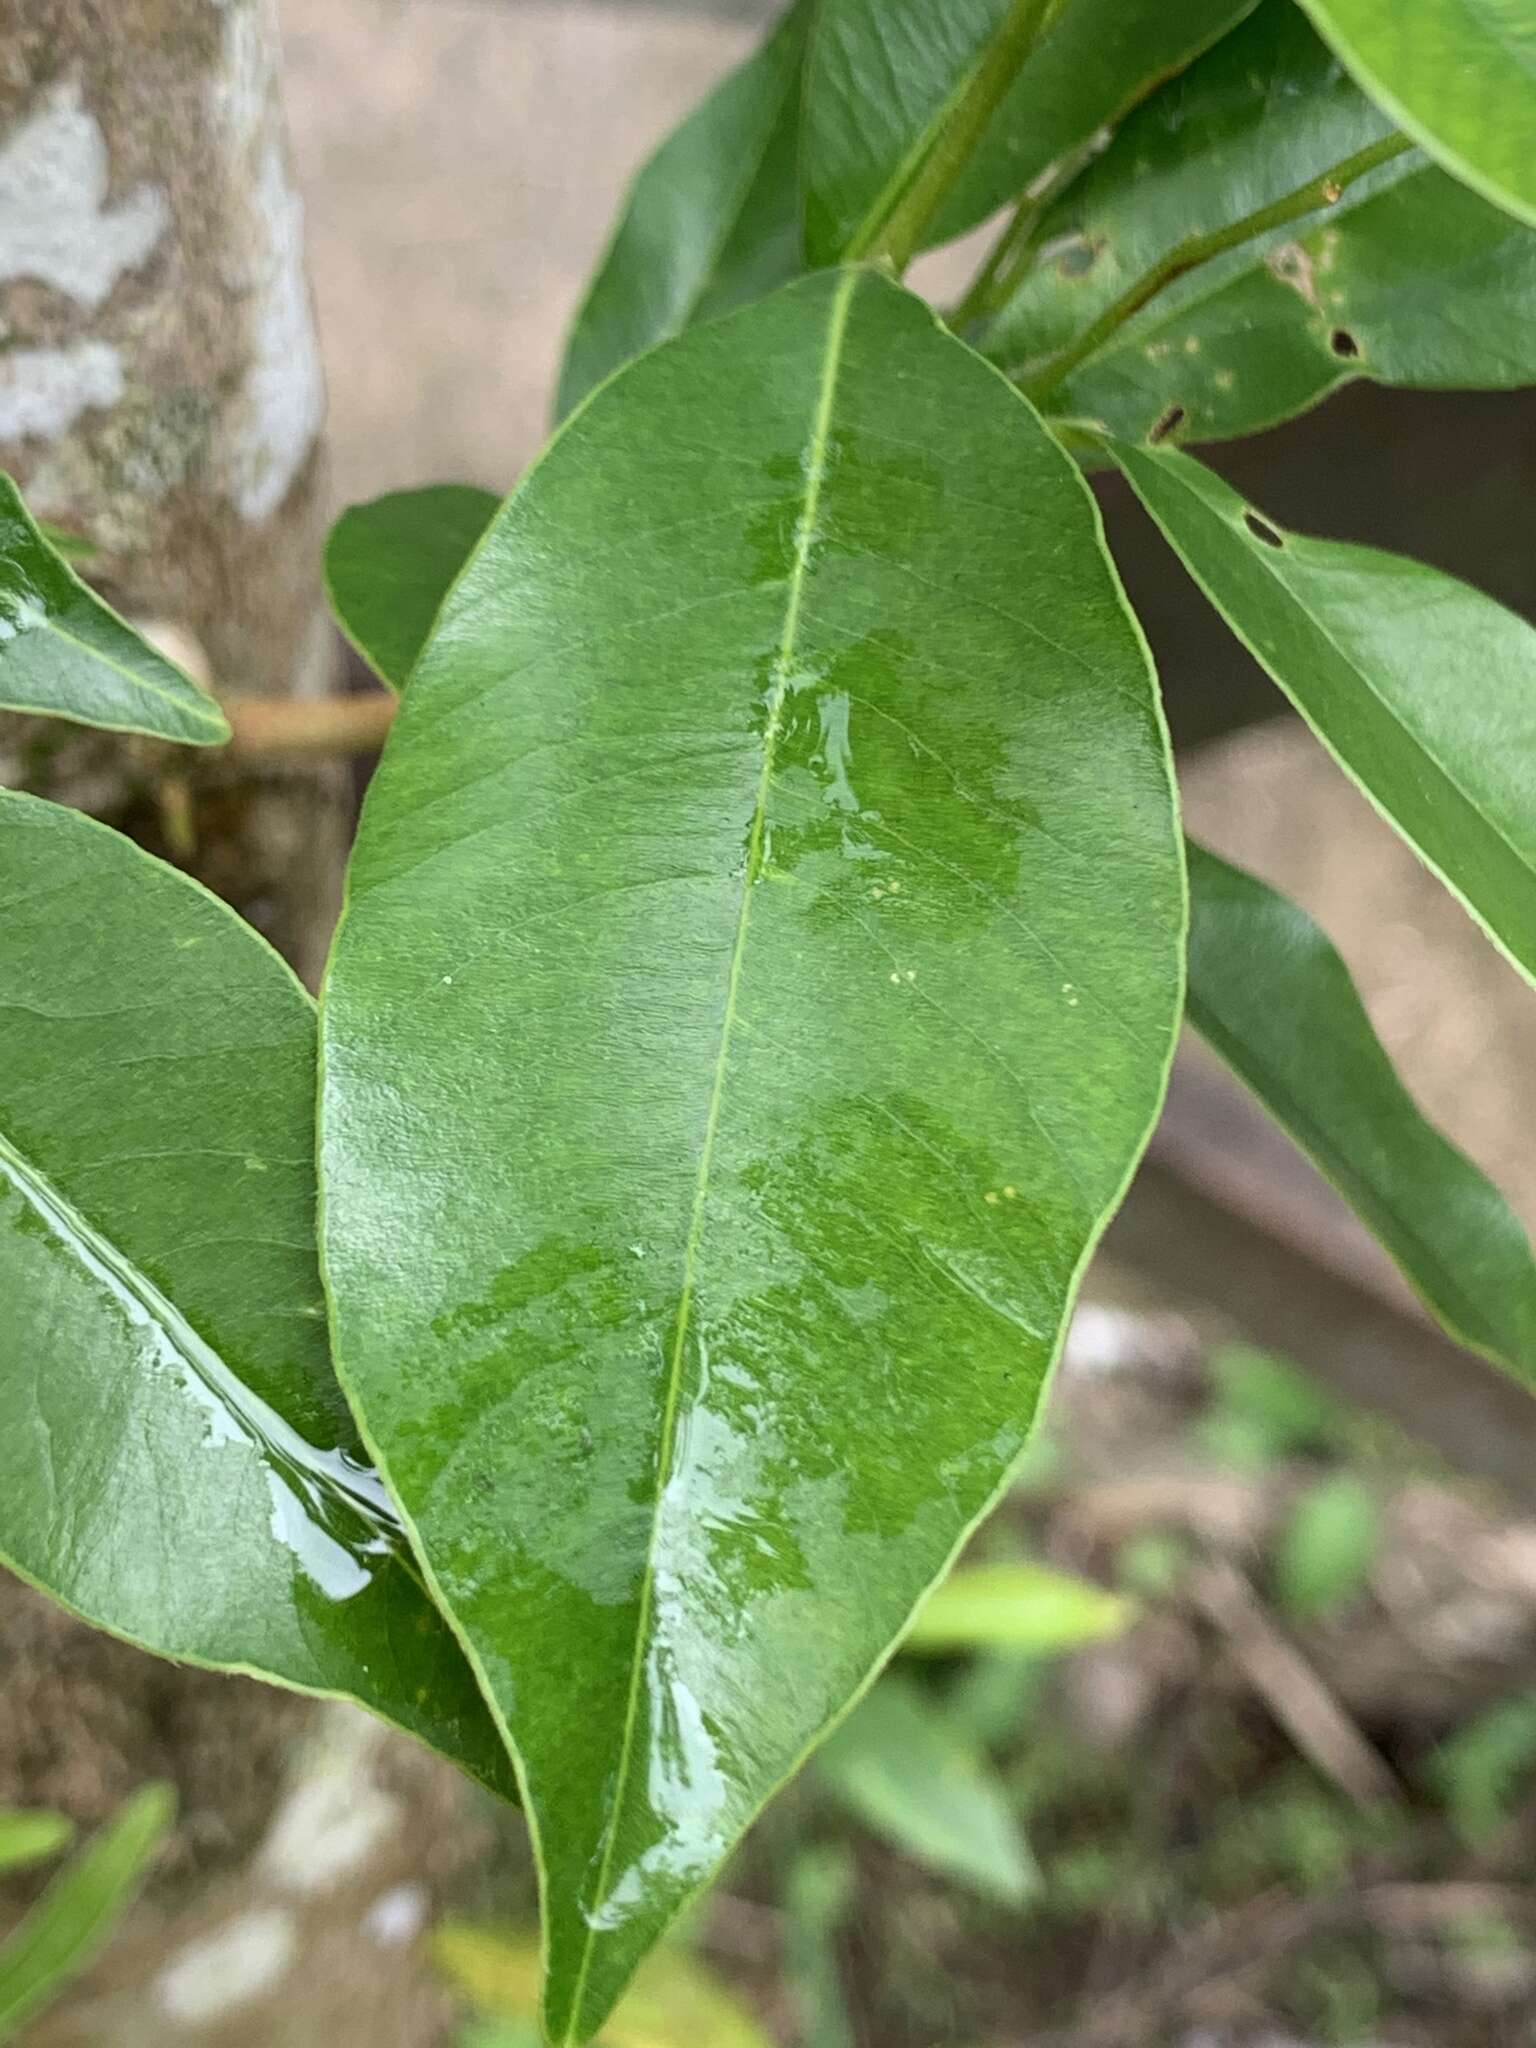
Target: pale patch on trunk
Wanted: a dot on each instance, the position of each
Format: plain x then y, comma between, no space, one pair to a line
55,223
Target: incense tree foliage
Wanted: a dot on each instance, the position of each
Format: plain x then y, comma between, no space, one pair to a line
769,925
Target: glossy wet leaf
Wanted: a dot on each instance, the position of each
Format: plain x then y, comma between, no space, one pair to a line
711,221
1459,75
1409,280
884,79
388,565
77,1912
908,1774
758,972
674,2001
1418,685
64,652
1015,1605
175,1464
1272,996
31,1836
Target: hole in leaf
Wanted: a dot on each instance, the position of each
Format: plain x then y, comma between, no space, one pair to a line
1262,530
1079,257
1343,343
1162,428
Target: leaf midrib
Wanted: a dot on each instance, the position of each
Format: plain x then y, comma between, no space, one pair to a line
805,539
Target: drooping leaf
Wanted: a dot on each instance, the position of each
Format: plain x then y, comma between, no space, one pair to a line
1275,1000
674,2001
884,80
1459,75
28,1837
177,1462
388,565
711,221
1418,685
1409,279
65,652
79,1909
1015,1605
907,1773
754,990
1326,1550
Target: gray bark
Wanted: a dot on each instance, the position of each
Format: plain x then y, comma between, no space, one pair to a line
160,393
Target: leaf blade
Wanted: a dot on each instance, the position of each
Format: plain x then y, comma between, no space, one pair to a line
1417,684
1015,1604
619,694
1409,280
389,564
710,220
908,1774
65,653
1459,75
76,1913
179,1466
1270,994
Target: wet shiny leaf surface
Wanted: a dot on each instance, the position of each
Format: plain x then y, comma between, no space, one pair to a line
1410,279
388,565
176,1460
711,221
64,652
908,1773
1419,686
1275,1000
758,976
883,76
1459,75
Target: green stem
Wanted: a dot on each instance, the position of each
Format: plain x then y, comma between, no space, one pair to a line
1011,254
1325,190
893,234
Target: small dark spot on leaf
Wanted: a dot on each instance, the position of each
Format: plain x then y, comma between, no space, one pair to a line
1162,428
1343,343
1079,257
1262,530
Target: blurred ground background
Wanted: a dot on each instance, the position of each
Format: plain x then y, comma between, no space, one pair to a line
1291,1803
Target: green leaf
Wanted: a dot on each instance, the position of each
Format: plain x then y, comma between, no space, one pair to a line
1419,686
1275,1000
898,1764
762,946
64,652
1328,1547
79,1909
889,83
31,1837
711,221
1015,1605
388,565
1095,60
818,1892
1459,75
674,2002
177,1462
1409,279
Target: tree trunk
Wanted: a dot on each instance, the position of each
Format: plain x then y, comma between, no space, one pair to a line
160,394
